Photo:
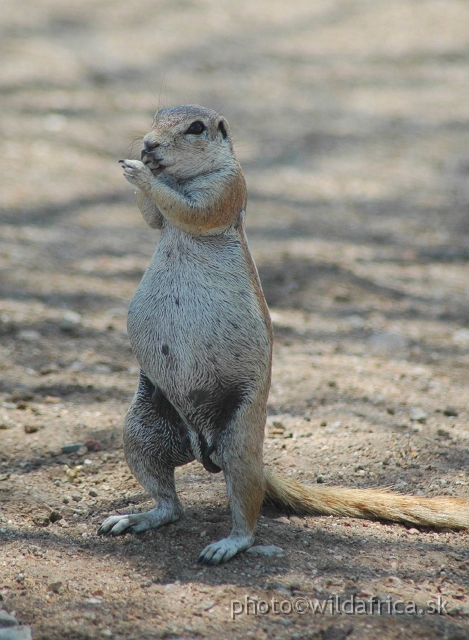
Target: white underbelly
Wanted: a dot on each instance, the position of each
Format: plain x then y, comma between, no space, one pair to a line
195,324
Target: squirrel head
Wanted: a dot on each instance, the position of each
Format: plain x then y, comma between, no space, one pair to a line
187,141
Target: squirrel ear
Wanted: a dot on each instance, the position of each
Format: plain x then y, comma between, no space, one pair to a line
222,128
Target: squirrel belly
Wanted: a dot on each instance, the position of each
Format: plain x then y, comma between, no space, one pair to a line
197,329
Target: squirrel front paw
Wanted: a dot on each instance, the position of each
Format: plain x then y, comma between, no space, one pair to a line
136,173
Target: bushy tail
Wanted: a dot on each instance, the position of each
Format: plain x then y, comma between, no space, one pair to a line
444,512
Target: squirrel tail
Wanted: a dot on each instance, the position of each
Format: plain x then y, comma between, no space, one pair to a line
443,512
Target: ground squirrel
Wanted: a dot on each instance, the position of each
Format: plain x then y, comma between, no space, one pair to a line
200,329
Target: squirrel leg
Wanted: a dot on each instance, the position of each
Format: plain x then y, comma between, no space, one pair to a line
240,456
154,445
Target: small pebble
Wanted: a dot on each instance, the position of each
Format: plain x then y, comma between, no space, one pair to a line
30,428
417,414
54,587
413,531
70,322
451,412
266,550
93,493
41,521
28,335
71,448
46,369
92,445
278,428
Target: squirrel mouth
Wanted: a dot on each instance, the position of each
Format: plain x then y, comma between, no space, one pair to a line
155,167
154,164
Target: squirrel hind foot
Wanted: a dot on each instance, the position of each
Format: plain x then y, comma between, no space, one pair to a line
138,522
223,550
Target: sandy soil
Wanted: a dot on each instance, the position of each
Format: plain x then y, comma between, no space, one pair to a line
351,122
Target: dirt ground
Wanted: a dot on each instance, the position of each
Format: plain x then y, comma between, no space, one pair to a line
351,120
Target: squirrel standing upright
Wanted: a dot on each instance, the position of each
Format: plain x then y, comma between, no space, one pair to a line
201,331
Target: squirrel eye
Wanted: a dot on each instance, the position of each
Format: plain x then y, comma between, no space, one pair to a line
196,127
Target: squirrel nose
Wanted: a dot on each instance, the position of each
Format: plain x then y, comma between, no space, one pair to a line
150,144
